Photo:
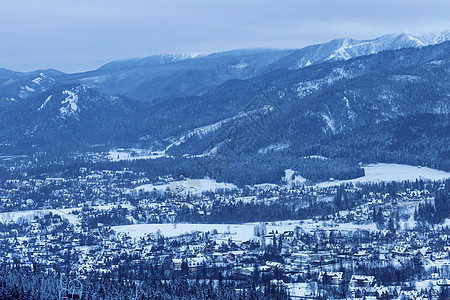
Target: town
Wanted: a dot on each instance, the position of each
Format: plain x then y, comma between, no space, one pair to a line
379,241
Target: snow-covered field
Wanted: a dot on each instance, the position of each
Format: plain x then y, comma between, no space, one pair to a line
238,232
392,172
193,186
30,214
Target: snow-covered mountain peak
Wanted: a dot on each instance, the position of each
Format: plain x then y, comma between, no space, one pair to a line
38,84
427,39
346,48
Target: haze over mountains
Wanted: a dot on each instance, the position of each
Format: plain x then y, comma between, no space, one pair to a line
342,99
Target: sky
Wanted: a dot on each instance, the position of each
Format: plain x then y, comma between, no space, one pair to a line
74,36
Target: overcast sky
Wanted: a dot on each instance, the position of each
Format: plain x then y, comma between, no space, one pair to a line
82,35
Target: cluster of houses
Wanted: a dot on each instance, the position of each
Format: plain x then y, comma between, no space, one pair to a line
332,259
327,261
89,187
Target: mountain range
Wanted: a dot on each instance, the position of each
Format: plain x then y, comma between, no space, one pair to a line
160,77
386,99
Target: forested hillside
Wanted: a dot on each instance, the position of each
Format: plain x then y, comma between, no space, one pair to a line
391,106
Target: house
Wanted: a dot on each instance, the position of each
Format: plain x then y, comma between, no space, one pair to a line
277,283
443,282
250,245
320,258
288,233
274,265
176,264
361,254
300,258
331,277
424,252
248,271
195,248
434,276
402,251
362,281
193,263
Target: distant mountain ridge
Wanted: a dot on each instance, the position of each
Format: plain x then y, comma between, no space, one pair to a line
338,49
159,77
148,61
344,49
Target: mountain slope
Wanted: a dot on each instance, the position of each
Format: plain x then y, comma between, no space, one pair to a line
66,116
314,105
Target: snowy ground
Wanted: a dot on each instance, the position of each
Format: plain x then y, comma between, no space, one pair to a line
291,179
301,289
426,284
133,154
193,186
392,172
241,232
30,214
238,232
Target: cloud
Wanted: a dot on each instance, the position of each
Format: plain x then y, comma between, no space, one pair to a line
81,35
